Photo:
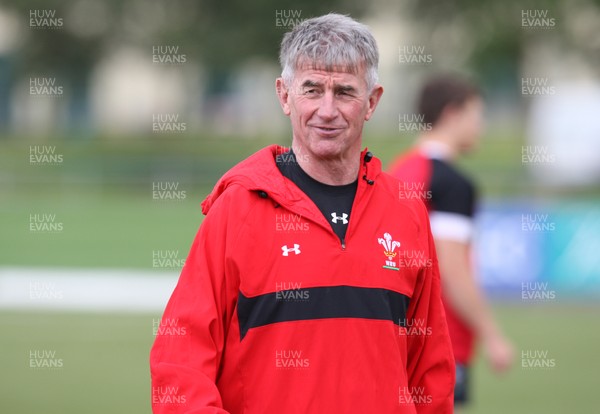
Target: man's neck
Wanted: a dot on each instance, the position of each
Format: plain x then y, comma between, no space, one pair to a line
437,144
334,171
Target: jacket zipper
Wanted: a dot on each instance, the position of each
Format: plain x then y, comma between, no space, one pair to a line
360,191
328,227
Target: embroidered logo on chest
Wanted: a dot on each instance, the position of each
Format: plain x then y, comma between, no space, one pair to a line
389,250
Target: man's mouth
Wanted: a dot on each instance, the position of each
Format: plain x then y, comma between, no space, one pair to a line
327,129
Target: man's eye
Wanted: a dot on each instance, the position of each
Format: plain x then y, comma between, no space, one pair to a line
310,91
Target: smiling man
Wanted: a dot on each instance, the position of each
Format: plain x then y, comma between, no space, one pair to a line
301,293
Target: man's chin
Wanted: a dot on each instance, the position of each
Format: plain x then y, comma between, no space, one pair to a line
467,149
471,145
326,149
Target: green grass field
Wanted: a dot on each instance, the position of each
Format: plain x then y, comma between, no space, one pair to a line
105,363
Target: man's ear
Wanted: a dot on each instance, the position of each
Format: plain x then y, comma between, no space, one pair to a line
283,95
374,100
449,114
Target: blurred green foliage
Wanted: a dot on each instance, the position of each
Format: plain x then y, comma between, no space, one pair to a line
219,34
223,35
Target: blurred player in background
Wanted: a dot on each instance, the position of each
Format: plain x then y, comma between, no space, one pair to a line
452,111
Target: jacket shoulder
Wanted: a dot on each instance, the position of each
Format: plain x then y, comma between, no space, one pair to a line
235,201
393,187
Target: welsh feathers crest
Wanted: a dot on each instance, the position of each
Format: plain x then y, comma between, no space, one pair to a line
389,247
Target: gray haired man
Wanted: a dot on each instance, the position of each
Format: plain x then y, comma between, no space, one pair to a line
301,293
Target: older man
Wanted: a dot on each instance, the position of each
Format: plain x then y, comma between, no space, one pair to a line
311,286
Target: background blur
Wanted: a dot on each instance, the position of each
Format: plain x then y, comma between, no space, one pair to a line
117,118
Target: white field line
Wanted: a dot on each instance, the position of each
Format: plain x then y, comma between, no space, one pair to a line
96,290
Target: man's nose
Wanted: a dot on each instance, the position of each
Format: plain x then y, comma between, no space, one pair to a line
327,106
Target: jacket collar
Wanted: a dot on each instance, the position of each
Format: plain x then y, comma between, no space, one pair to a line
260,173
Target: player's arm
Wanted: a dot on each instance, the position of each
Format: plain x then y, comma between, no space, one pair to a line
184,362
467,300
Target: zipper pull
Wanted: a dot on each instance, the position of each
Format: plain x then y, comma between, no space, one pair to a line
343,244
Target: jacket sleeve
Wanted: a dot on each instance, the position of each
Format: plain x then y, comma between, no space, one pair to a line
187,352
431,370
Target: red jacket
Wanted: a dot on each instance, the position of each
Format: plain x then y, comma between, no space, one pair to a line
273,314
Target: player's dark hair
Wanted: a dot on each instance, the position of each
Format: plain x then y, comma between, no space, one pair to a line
442,91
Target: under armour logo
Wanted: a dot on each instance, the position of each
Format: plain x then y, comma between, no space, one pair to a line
286,250
343,217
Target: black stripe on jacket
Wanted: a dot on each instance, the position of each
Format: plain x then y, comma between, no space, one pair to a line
321,303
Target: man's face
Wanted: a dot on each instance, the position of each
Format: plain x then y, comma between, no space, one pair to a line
327,110
470,123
